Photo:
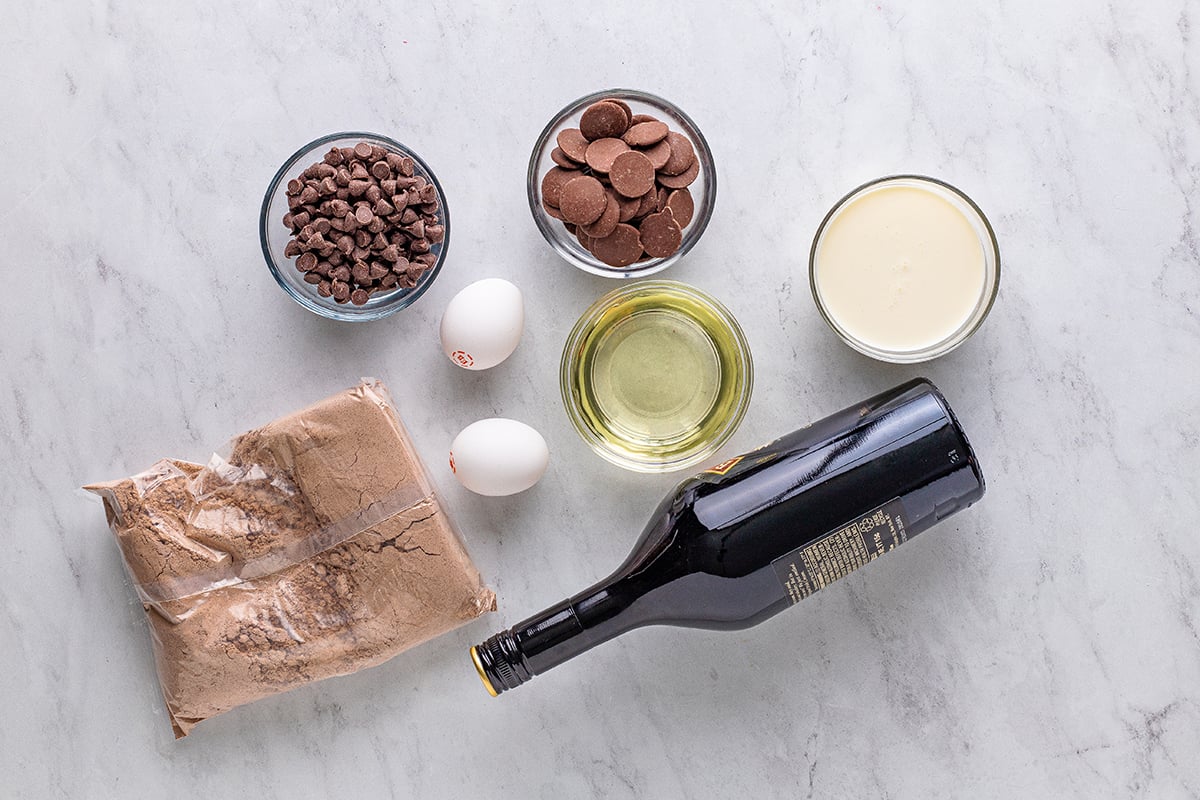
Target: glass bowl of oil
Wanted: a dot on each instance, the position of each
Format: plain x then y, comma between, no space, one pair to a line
656,376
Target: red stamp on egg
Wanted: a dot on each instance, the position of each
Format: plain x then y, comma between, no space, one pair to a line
462,358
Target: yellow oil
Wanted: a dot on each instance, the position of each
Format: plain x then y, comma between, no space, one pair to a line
660,374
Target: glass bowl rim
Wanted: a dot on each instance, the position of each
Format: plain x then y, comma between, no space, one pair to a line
340,313
700,218
689,458
991,287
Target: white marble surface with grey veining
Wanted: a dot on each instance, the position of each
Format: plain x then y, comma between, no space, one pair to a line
1045,643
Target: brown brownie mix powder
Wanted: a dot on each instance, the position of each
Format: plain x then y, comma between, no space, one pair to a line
315,548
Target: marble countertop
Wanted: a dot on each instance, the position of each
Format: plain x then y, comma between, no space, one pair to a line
1045,643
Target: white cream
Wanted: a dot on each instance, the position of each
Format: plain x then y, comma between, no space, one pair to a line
900,268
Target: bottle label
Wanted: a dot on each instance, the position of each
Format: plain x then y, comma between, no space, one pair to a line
838,553
724,467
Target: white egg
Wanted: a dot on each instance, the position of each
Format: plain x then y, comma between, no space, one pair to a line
497,457
483,323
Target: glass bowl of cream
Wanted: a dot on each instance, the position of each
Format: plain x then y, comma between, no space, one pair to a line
904,268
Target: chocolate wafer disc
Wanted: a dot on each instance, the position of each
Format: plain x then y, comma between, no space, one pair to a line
658,153
552,183
602,120
583,200
560,158
624,106
584,239
551,210
682,154
573,144
632,174
608,220
662,199
645,134
637,119
600,153
660,235
682,179
648,204
620,248
682,206
629,207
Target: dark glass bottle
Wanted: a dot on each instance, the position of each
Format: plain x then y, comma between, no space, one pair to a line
746,539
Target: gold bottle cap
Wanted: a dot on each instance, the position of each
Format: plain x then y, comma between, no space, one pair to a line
487,684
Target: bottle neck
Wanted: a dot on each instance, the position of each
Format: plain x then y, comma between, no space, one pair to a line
561,632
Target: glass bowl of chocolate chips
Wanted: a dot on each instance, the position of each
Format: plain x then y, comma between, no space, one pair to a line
621,183
354,226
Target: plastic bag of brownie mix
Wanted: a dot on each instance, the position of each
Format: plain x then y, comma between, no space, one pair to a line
314,547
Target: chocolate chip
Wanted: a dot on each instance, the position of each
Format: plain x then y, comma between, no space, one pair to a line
620,248
600,153
602,119
361,272
346,251
632,174
583,200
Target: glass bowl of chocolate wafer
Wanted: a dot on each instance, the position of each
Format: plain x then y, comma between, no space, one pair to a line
354,226
621,183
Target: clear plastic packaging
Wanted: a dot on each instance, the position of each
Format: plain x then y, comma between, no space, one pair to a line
315,546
